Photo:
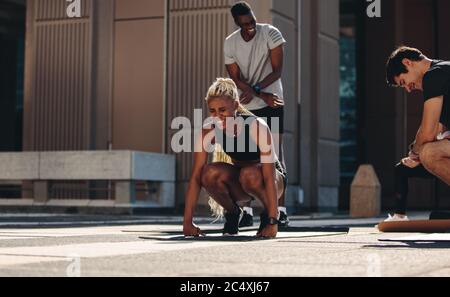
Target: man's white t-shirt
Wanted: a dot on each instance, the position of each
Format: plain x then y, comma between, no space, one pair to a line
253,58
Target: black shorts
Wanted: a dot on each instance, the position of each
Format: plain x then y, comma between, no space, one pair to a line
283,173
268,113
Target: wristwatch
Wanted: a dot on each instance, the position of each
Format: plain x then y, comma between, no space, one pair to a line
257,88
273,221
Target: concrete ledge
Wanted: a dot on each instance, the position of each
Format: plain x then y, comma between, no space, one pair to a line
101,203
19,166
16,202
125,168
107,165
68,202
99,165
153,167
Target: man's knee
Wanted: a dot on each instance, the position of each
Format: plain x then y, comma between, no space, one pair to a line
429,155
251,179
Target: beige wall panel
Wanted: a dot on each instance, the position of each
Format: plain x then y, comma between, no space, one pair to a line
329,17
186,5
329,102
58,104
290,72
307,106
262,10
52,10
126,9
287,8
138,85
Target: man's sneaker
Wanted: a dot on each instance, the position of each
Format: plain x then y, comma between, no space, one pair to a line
396,218
247,220
232,221
283,221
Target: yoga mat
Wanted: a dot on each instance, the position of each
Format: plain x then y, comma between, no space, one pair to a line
435,226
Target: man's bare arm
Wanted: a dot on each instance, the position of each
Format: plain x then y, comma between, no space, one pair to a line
276,59
430,123
235,74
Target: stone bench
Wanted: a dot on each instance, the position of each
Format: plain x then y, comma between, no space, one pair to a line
124,168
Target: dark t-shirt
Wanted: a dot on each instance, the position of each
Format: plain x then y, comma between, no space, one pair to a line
436,83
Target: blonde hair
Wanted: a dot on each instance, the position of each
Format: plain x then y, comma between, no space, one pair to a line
223,87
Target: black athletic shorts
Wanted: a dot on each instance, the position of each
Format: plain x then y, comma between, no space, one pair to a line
268,113
283,173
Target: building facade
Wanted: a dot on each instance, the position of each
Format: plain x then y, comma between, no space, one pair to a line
115,77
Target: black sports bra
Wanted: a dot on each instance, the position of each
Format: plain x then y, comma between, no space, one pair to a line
241,147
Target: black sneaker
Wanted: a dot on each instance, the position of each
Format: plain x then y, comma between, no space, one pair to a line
283,221
232,221
247,220
264,217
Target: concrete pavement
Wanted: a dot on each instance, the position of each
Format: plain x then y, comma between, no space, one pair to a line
99,249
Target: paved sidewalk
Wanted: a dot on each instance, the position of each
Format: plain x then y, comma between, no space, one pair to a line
96,249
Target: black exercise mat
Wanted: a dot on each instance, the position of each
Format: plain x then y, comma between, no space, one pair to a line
243,237
434,238
281,229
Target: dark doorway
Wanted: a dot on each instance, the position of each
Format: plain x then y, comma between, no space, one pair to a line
12,53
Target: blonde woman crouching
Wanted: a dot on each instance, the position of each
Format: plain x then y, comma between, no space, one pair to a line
239,173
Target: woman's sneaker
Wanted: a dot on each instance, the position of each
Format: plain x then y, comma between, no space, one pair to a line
396,218
232,221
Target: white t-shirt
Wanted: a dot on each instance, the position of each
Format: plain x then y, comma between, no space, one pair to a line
253,58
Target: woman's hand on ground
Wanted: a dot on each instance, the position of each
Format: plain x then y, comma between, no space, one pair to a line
270,231
192,230
408,162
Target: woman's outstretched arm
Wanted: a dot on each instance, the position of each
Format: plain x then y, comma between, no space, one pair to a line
195,184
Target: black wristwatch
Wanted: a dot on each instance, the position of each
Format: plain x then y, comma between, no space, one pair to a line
273,221
257,88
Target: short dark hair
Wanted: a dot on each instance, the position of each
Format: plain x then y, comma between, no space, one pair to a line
394,65
241,8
